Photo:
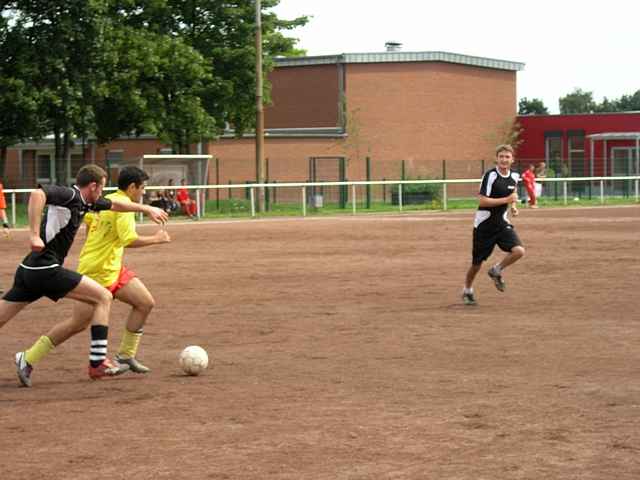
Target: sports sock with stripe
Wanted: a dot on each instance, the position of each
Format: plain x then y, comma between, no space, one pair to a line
98,353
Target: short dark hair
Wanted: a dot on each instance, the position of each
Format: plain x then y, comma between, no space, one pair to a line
129,175
89,174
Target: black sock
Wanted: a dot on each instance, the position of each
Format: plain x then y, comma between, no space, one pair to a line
98,353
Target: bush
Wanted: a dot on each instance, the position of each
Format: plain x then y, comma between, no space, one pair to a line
433,190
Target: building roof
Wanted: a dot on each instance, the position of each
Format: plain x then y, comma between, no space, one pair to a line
615,136
590,114
400,57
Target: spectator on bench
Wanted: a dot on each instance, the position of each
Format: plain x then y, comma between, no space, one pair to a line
165,199
186,202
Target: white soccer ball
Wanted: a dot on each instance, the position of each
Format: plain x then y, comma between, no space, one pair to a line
194,360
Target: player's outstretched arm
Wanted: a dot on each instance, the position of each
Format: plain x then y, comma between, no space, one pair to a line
37,201
161,236
156,214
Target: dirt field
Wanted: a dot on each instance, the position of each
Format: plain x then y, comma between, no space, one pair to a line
339,349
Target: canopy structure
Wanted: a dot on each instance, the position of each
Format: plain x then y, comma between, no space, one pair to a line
192,168
611,136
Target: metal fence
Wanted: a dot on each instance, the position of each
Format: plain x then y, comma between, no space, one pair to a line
363,195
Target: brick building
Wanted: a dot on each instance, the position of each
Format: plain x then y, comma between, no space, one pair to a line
422,108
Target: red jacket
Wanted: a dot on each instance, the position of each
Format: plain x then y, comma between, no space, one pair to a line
529,178
183,195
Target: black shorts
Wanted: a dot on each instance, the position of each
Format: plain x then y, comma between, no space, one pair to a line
29,284
484,241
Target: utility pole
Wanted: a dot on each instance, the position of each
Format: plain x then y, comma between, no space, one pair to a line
260,163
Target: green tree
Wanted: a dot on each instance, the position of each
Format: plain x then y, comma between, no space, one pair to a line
628,103
222,33
62,37
19,100
577,101
535,106
178,69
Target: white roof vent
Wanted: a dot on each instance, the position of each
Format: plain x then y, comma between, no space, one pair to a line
393,46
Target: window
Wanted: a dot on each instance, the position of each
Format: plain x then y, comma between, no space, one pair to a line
77,162
43,168
114,159
576,153
553,149
623,161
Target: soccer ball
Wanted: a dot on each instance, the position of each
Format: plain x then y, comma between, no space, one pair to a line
193,360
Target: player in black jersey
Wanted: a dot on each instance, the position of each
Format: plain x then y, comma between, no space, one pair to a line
498,194
41,273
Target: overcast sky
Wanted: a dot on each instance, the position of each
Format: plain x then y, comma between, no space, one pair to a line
564,43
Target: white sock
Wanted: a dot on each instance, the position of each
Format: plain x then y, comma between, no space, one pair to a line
497,268
467,290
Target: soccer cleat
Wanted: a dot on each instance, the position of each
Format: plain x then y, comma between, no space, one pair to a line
23,369
107,369
497,279
134,365
469,298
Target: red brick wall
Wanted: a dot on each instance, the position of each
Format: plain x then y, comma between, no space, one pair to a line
428,112
303,97
288,158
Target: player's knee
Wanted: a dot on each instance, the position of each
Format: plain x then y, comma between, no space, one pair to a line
146,305
149,304
104,297
518,251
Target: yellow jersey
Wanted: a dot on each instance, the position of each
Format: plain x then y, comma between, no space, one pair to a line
108,233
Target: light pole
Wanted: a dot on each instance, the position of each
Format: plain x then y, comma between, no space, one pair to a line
260,164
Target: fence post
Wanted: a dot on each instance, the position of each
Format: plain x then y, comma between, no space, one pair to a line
368,180
400,196
217,183
444,185
601,191
230,196
13,208
444,196
198,204
304,201
275,193
564,191
353,198
253,201
267,200
384,191
637,190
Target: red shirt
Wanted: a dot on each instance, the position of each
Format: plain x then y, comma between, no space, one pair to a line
183,195
529,178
